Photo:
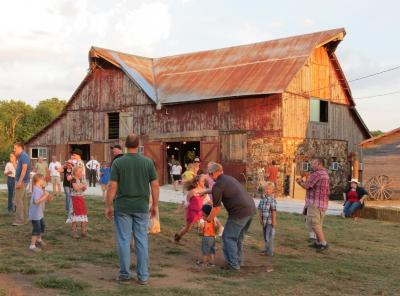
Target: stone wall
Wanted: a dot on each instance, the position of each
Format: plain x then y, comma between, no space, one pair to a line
289,152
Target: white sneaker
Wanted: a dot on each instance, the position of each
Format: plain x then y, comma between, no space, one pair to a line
34,249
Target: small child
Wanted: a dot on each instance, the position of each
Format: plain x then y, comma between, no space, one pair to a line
267,210
79,212
208,230
104,178
36,211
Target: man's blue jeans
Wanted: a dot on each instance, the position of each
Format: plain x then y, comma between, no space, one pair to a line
232,238
350,208
126,225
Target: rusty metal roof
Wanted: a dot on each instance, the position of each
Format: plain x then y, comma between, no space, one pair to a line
254,69
377,138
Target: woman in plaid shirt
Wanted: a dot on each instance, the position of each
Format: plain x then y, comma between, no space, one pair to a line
267,210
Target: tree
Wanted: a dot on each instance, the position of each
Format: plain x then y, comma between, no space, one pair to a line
376,133
20,121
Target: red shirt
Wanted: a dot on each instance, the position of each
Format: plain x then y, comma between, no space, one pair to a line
318,190
352,196
272,173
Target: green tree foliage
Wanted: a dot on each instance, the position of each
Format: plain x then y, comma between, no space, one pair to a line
376,133
20,121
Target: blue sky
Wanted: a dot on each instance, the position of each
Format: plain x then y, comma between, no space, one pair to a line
44,44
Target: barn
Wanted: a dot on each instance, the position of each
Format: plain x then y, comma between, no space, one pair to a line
285,100
381,165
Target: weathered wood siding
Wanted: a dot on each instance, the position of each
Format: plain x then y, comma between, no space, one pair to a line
383,158
319,79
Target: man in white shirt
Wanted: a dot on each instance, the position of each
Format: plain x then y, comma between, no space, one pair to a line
176,172
54,168
93,166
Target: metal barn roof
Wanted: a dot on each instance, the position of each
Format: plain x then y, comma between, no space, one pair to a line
254,69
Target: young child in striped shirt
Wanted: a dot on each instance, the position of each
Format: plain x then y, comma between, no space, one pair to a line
267,213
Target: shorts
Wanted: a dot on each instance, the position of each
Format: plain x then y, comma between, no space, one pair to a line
176,177
208,245
38,227
315,218
55,179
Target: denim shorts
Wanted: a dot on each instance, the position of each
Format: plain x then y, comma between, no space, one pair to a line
208,245
38,227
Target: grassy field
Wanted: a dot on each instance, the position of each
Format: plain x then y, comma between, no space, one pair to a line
363,259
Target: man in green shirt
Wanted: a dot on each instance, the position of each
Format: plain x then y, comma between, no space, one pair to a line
128,196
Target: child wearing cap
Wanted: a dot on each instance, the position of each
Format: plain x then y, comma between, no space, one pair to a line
267,214
208,230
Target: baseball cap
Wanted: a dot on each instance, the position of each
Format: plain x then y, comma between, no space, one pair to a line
197,159
77,152
116,146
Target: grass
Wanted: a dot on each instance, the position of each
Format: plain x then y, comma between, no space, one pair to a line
363,259
67,284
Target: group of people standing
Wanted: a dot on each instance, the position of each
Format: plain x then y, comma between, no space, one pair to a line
132,199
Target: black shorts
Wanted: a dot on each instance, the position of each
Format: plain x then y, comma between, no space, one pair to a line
38,227
176,177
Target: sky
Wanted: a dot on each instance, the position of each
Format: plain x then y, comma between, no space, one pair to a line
44,44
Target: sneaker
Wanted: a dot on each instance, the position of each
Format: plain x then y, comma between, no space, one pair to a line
75,235
322,248
123,280
229,267
41,243
35,249
314,245
142,283
177,238
311,239
17,224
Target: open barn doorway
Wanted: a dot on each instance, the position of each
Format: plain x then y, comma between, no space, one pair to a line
183,152
85,148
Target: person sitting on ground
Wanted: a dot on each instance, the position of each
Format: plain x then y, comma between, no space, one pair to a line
36,209
208,231
354,197
267,210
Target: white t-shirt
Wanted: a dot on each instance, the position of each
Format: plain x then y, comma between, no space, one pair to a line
176,169
53,168
93,165
10,168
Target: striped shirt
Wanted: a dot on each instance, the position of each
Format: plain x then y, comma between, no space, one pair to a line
318,190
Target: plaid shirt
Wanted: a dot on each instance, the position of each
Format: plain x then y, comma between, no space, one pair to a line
266,206
318,191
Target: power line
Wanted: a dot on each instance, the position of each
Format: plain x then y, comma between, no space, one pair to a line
355,79
375,74
379,95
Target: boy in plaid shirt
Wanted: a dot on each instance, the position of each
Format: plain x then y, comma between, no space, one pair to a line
267,210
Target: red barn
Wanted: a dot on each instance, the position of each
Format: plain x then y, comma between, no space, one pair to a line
285,100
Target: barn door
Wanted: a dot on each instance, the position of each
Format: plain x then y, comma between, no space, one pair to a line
125,124
156,152
97,150
61,152
209,151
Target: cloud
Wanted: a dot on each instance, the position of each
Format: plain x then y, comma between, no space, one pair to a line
44,47
308,23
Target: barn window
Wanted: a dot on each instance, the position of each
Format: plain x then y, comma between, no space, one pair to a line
113,125
318,110
37,152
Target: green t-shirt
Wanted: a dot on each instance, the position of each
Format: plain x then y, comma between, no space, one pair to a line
41,168
133,173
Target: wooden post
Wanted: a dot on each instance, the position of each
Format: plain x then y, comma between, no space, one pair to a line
356,166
